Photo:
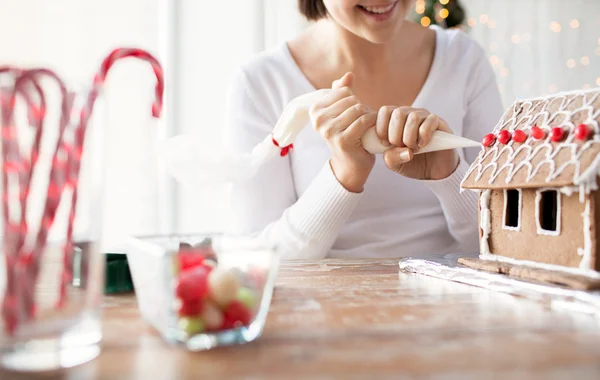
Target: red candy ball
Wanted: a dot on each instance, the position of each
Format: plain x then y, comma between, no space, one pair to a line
192,285
236,315
488,139
537,133
189,260
191,308
519,136
582,132
504,137
557,134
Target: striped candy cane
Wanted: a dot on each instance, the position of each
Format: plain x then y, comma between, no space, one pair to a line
80,131
13,164
30,259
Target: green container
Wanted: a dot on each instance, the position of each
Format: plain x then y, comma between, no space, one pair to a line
118,277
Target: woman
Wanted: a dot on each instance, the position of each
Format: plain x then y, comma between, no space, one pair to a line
331,198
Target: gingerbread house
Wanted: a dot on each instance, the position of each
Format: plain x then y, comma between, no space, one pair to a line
537,178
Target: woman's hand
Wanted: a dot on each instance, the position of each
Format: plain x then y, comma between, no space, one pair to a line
409,129
342,120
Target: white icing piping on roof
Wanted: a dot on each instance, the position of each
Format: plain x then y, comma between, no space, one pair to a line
589,174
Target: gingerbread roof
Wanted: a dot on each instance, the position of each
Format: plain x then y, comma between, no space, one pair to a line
543,142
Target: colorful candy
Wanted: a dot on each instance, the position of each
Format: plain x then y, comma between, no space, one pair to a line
224,285
246,297
236,315
582,132
213,298
519,136
504,136
537,133
212,316
192,284
191,325
488,140
191,308
557,134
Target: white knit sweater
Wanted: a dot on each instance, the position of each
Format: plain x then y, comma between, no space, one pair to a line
296,202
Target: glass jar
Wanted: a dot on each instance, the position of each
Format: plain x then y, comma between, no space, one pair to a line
51,319
206,290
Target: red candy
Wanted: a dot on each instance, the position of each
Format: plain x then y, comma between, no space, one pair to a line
557,134
504,137
488,139
537,133
519,136
582,132
236,315
192,285
188,260
191,308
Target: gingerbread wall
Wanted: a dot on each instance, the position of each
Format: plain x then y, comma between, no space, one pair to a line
595,230
527,244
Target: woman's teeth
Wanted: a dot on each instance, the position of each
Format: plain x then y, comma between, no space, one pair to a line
378,10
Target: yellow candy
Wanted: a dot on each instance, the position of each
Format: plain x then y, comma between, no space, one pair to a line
191,325
223,285
247,297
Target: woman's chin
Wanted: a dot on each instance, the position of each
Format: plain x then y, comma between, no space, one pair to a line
379,36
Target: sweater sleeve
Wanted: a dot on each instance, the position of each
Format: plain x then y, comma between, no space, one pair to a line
483,111
267,205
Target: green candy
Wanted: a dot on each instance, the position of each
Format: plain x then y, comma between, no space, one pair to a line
246,296
191,325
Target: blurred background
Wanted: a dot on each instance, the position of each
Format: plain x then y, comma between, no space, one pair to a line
536,47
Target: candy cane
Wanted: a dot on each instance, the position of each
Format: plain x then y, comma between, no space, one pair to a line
80,131
15,236
25,265
57,183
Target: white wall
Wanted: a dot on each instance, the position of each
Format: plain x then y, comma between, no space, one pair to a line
71,37
530,58
211,49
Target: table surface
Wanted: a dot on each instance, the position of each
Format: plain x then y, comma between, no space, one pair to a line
365,319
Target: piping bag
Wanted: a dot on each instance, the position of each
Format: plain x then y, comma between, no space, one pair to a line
188,163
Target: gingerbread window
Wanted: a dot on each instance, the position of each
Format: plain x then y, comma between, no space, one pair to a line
548,212
512,210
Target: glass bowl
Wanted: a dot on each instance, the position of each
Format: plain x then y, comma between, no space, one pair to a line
203,291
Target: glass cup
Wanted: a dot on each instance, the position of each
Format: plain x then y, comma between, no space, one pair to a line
51,294
203,291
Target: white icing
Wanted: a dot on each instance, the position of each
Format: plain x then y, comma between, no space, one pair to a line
518,227
533,264
586,251
486,221
569,190
538,198
546,150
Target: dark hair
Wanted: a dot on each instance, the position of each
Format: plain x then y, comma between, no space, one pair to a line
312,9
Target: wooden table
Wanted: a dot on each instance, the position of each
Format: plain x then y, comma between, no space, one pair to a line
364,319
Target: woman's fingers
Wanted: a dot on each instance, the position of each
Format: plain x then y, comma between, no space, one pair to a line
383,121
346,81
407,126
334,111
397,124
331,98
350,115
396,157
359,127
410,133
